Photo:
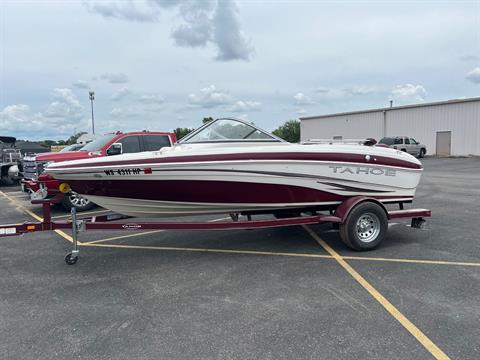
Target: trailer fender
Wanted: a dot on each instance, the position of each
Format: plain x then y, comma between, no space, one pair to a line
344,209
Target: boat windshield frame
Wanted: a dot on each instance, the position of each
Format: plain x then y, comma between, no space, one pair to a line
273,138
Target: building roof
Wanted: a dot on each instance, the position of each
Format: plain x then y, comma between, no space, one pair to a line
30,146
447,102
8,139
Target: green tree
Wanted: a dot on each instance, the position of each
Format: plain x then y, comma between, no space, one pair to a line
207,119
73,139
181,132
47,143
290,131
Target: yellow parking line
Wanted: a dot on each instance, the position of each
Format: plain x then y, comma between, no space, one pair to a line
412,261
36,217
80,214
407,324
359,258
209,250
59,232
272,253
139,234
24,195
16,192
123,236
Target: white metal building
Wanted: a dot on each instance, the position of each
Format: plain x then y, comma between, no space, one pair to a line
446,128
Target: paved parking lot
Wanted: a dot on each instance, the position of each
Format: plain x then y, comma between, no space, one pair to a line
290,293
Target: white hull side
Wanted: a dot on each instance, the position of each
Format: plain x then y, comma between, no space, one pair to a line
341,178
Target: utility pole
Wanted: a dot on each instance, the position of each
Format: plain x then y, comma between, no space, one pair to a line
92,97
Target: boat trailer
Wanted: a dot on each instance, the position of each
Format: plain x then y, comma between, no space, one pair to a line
106,222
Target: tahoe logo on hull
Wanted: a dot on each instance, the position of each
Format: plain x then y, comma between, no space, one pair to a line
366,170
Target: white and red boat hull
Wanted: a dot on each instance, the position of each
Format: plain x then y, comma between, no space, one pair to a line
186,181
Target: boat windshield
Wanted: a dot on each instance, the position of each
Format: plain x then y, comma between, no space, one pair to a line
228,130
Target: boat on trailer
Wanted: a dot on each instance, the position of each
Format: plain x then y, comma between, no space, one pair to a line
231,166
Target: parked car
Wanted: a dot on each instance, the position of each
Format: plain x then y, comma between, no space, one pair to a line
29,166
41,185
405,143
9,160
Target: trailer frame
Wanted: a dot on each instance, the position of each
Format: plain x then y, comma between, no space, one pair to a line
110,221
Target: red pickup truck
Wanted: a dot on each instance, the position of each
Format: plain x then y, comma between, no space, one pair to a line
41,185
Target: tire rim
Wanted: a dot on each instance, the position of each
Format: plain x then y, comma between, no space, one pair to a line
368,227
77,200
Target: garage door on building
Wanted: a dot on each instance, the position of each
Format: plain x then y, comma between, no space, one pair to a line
444,141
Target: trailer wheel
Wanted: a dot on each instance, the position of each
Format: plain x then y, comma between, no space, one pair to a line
365,227
74,200
70,259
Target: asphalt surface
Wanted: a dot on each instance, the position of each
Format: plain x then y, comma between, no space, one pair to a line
255,302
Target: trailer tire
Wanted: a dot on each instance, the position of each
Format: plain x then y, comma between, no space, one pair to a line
70,259
365,227
75,200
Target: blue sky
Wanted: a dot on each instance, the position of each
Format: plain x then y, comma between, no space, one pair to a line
160,64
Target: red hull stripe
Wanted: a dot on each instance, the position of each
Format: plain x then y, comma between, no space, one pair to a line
334,157
204,191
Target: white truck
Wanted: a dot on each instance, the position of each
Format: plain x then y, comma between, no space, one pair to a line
405,143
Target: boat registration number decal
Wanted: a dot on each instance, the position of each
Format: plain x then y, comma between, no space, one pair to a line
135,171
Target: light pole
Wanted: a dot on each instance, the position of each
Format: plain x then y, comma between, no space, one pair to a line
92,97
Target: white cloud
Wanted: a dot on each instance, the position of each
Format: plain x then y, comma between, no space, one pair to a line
114,78
197,29
243,117
409,93
469,58
60,118
474,75
20,118
322,90
116,112
148,99
124,10
244,106
151,99
124,112
301,111
210,97
204,22
120,94
81,84
342,92
358,90
64,105
302,99
227,34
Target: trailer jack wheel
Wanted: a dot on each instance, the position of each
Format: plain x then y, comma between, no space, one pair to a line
70,259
